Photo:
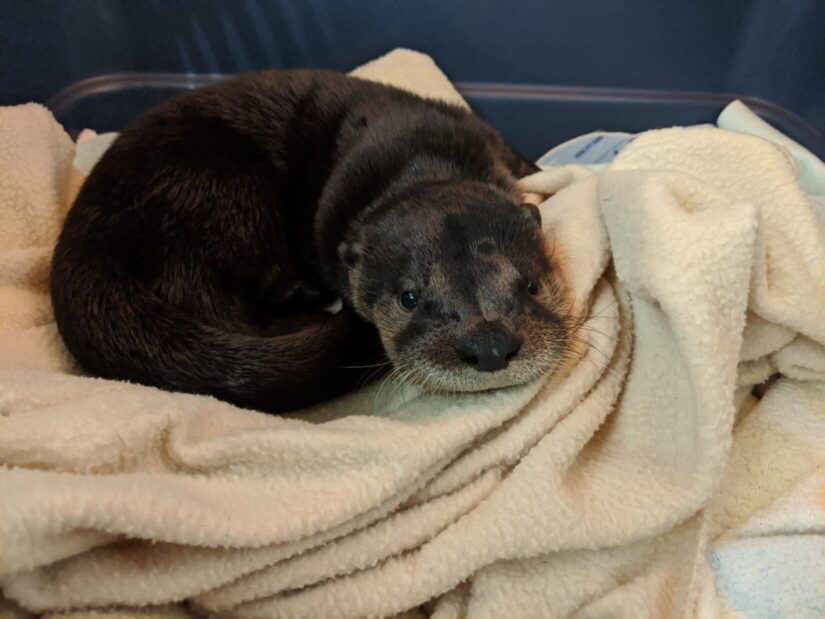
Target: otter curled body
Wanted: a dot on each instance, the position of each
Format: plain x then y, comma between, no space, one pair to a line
204,244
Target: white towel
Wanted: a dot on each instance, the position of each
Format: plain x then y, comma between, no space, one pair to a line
738,117
585,492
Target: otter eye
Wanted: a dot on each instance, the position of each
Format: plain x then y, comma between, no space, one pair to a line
533,287
408,300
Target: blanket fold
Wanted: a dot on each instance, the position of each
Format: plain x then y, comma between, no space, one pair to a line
620,486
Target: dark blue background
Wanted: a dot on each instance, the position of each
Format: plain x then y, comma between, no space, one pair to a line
773,49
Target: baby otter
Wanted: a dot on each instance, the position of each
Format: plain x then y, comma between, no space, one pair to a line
204,245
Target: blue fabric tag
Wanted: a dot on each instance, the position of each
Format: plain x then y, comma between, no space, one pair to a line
594,148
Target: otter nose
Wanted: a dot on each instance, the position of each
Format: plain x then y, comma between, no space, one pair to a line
489,349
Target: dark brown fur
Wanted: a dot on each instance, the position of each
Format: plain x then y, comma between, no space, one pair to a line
202,247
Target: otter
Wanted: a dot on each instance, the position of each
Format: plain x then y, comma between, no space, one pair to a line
203,248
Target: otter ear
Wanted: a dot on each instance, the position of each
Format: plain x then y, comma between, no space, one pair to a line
531,211
350,253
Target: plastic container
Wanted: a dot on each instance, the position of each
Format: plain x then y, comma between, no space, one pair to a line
532,117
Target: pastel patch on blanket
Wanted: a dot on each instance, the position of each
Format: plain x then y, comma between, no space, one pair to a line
613,490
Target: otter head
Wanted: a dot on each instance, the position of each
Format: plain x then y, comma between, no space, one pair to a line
458,280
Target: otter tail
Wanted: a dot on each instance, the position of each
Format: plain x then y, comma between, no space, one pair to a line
118,329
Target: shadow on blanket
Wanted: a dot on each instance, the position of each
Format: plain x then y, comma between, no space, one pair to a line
702,269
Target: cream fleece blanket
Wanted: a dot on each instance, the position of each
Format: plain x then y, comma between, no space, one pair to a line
592,493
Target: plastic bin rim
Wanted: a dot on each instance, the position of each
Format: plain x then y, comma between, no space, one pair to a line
110,82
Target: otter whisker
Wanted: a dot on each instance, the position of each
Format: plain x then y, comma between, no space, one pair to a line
368,378
606,367
609,306
426,381
389,377
591,329
383,364
432,385
589,345
585,355
586,333
586,316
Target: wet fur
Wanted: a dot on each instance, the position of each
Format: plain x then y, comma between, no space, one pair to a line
204,244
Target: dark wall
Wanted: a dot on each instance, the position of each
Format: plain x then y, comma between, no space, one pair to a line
774,49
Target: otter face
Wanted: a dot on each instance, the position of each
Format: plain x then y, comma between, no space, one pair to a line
459,282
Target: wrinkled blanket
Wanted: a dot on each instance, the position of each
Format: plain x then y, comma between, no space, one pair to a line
640,482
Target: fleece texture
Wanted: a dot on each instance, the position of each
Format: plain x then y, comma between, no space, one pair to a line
640,481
